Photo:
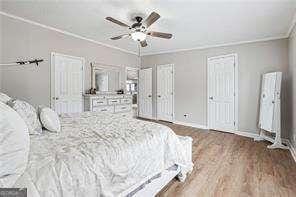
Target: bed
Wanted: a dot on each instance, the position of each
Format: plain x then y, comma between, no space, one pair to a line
105,154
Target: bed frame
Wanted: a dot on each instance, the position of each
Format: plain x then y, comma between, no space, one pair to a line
156,185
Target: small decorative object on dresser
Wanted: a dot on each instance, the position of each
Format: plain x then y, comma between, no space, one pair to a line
110,103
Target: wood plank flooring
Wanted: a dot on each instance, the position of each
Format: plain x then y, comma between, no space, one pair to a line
231,165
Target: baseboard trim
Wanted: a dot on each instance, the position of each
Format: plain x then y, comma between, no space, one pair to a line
198,126
291,148
246,134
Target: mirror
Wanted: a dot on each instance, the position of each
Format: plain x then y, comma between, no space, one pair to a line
132,77
105,79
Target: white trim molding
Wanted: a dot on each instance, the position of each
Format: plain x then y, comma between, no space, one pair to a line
147,53
236,120
52,75
198,126
246,134
64,32
215,45
173,83
291,26
291,148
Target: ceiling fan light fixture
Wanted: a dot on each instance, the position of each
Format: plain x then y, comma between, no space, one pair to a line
138,36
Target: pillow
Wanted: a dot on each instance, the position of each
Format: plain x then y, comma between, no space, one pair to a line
28,113
4,98
49,119
14,146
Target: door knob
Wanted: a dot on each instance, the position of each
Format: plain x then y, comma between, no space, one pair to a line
159,96
211,98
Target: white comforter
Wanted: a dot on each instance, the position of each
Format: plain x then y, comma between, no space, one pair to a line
99,155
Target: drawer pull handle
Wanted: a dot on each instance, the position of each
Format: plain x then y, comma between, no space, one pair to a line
104,110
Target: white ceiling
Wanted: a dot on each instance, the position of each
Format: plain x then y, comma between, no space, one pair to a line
194,24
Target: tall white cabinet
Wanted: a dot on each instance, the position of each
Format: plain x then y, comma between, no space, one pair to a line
270,109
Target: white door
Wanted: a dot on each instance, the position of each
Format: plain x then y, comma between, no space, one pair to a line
67,84
145,93
165,92
221,93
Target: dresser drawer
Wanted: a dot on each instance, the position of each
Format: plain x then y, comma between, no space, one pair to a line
128,96
114,96
109,109
123,108
99,102
126,101
113,101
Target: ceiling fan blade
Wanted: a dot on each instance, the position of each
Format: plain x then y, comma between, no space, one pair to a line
160,34
151,19
143,43
116,22
119,37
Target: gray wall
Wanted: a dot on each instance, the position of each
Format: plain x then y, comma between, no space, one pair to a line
292,84
22,41
191,74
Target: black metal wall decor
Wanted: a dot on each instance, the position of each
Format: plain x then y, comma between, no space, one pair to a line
35,61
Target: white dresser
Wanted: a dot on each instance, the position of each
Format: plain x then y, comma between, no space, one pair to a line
110,103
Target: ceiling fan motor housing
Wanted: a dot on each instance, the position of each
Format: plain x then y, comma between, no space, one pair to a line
138,23
139,31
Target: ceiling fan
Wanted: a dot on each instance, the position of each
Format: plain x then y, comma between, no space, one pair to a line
139,30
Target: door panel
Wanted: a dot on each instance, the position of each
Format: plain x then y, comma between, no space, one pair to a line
267,100
145,93
221,87
67,96
165,92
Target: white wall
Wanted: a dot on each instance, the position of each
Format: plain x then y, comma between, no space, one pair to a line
292,84
23,40
191,79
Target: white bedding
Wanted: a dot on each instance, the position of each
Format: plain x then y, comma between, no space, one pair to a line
14,146
99,155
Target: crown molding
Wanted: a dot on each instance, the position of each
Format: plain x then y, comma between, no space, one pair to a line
64,32
218,45
149,53
291,26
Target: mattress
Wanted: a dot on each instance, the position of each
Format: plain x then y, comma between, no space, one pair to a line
99,154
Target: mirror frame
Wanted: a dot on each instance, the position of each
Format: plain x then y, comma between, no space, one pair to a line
104,67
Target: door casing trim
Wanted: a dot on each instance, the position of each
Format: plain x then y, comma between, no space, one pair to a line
52,76
235,89
173,81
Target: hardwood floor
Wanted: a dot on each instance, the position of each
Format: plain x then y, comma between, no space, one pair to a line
231,165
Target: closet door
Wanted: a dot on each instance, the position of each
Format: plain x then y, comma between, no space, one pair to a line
165,92
221,93
145,93
67,84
